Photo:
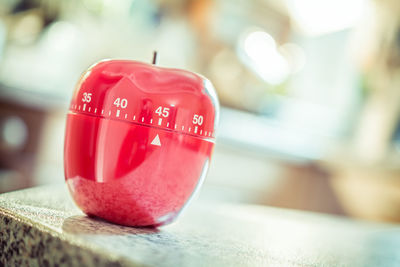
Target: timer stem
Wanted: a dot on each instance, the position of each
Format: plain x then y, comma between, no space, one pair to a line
154,57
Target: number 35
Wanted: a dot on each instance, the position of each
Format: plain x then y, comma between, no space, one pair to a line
87,97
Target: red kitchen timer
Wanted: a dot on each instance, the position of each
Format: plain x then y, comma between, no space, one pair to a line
138,141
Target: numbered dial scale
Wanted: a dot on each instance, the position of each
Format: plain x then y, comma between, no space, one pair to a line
138,141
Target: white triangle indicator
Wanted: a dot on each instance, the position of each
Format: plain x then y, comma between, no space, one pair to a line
156,141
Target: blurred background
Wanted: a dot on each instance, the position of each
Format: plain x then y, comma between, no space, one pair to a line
310,91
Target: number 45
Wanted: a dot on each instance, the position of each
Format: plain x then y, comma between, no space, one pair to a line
162,111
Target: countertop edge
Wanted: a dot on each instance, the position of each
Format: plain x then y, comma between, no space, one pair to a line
25,243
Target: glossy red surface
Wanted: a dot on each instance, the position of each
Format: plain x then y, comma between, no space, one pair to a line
135,163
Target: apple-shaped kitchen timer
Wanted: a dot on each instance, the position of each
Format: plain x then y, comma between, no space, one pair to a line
138,141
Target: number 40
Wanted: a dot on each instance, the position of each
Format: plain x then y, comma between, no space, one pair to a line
123,103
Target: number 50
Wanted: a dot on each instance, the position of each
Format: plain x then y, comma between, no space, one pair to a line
197,119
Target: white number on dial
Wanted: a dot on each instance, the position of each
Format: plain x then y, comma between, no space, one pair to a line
162,111
197,119
121,102
87,97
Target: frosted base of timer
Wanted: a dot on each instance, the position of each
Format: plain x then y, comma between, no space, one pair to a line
129,173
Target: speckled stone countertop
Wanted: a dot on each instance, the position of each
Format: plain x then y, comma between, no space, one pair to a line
42,227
